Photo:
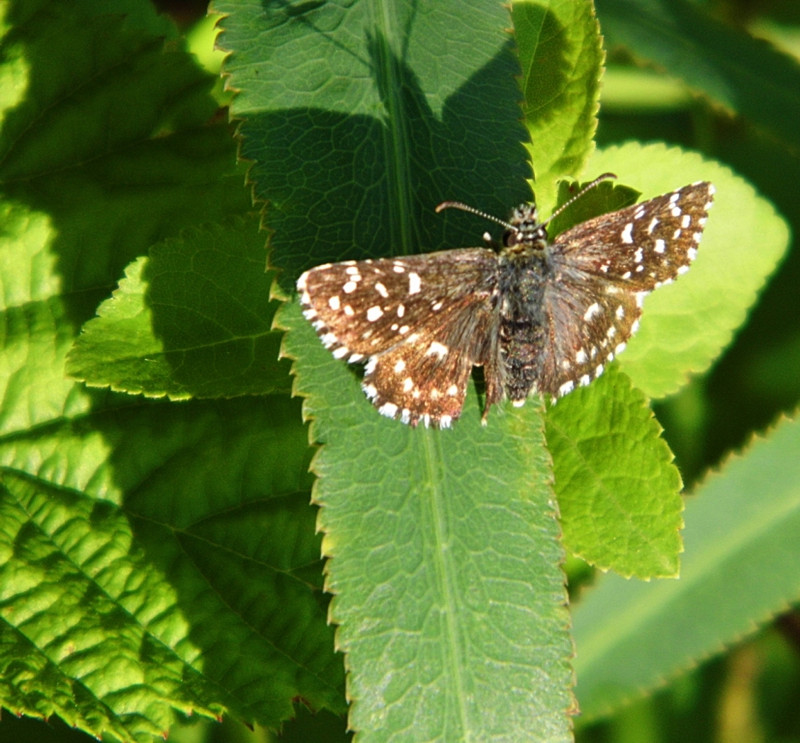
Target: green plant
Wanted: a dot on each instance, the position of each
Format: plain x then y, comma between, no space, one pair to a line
159,550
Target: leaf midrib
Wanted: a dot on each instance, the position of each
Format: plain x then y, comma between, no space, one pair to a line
445,571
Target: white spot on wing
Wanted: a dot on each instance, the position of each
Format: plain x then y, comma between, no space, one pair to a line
566,387
627,234
593,309
437,349
373,313
414,283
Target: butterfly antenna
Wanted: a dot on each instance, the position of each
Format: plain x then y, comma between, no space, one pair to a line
597,181
467,208
472,210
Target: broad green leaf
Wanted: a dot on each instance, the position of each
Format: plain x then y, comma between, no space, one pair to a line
160,559
443,544
444,564
618,491
561,56
744,74
155,556
686,325
741,531
192,320
620,504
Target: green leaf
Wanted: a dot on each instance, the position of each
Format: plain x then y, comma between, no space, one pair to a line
193,320
686,325
741,530
181,571
434,536
618,491
744,74
154,556
561,55
444,563
620,502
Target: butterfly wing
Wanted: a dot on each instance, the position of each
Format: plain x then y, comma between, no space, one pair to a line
642,246
601,271
421,322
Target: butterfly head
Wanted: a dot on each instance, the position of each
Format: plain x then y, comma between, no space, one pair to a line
525,229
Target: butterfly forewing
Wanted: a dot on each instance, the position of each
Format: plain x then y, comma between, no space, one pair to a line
642,246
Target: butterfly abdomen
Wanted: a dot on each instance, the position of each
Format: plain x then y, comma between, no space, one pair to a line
521,326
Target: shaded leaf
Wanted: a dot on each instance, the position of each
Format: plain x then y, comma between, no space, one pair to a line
746,75
192,320
741,531
155,557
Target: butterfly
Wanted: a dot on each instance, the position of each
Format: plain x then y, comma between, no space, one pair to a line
540,317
